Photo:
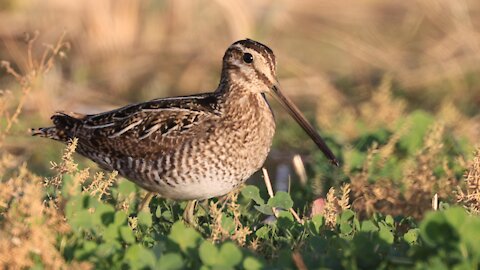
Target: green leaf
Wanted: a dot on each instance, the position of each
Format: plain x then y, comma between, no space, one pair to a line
345,221
356,224
106,249
252,263
228,224
355,158
435,231
264,209
317,222
76,204
82,220
367,138
471,236
281,200
208,253
120,218
411,237
230,255
170,261
346,228
88,249
167,215
263,232
390,221
185,237
456,216
347,216
285,219
145,219
111,233
419,121
368,226
443,206
386,234
103,214
286,215
127,234
252,193
138,257
125,188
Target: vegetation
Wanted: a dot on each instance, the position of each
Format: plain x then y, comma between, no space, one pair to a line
84,220
399,110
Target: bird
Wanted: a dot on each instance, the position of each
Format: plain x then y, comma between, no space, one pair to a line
195,147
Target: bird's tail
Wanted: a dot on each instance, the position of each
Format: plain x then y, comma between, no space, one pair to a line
62,131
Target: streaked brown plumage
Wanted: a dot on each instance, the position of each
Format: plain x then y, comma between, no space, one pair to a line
193,147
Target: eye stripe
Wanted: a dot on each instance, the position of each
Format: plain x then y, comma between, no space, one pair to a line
263,50
262,77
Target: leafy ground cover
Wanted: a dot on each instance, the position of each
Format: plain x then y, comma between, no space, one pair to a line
88,220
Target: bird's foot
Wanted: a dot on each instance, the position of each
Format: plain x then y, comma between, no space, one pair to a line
145,201
188,214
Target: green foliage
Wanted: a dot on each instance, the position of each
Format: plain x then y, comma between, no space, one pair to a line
105,237
396,167
450,240
108,232
412,141
252,193
281,200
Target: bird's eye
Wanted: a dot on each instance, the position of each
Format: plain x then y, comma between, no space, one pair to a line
247,58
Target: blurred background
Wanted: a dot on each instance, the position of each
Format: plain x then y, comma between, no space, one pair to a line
352,66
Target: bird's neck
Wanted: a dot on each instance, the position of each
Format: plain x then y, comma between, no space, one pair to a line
233,81
239,97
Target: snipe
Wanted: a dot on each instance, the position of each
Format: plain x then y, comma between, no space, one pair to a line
192,147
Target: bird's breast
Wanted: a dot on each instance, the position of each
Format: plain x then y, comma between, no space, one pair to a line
216,164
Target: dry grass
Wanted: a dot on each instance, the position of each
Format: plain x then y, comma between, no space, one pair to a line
143,49
421,183
29,227
29,223
32,222
218,211
413,194
469,194
332,205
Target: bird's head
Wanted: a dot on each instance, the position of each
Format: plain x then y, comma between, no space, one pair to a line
252,66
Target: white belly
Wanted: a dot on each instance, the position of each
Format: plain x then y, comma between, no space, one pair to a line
198,191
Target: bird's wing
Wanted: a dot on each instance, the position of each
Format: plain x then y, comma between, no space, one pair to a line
145,129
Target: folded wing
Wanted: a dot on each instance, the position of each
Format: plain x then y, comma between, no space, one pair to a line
143,129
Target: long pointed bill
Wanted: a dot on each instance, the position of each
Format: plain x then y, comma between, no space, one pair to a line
298,116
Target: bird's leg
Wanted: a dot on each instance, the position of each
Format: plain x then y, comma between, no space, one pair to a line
223,199
145,201
205,207
188,213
